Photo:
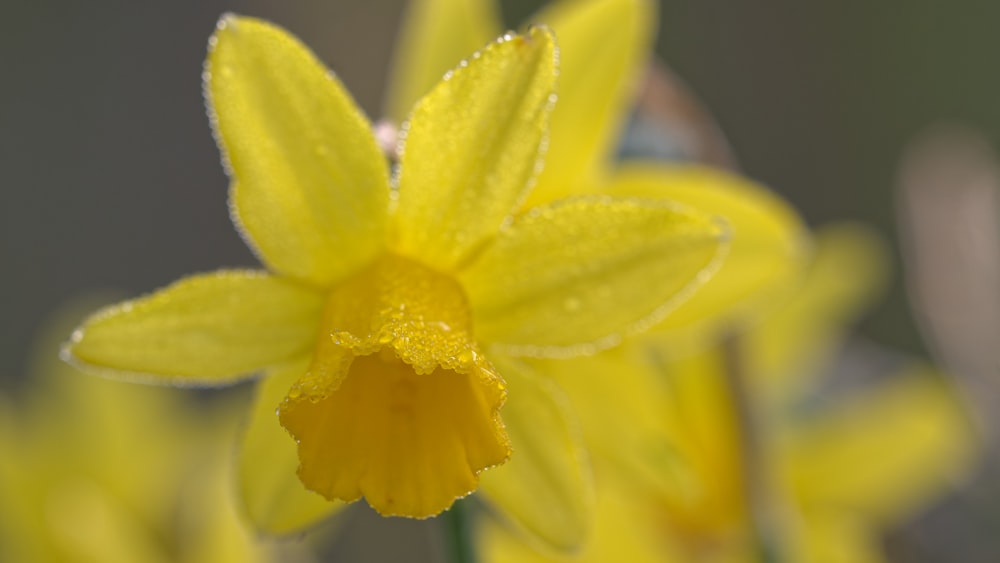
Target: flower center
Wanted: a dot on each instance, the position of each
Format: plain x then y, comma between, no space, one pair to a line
399,405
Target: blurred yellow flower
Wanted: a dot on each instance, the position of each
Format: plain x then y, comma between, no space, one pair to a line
389,308
98,470
679,480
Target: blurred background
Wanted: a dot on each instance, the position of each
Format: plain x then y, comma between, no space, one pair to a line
109,178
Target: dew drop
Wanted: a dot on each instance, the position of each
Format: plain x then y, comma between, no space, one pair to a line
466,357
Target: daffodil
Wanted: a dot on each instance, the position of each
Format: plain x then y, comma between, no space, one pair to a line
98,470
817,484
393,302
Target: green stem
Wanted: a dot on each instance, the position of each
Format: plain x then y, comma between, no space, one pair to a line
457,523
756,483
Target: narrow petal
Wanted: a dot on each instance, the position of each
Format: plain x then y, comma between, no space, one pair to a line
603,45
473,147
202,330
587,271
665,430
274,498
768,251
435,36
310,187
883,453
628,415
546,487
833,537
625,529
847,274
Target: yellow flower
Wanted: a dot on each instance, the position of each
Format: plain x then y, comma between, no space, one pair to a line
390,306
827,478
97,470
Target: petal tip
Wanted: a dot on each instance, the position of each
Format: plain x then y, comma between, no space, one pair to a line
226,19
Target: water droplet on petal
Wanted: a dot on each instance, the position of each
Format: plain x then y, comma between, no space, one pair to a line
466,357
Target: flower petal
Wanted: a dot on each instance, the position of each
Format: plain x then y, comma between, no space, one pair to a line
628,415
435,36
409,443
472,148
310,186
885,452
626,529
766,257
791,346
274,498
206,329
835,537
603,44
546,488
587,271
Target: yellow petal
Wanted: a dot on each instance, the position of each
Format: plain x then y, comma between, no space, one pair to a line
767,253
546,487
584,272
603,45
625,530
273,496
620,402
838,538
885,452
90,523
668,428
847,274
704,430
435,36
212,524
472,148
398,404
310,186
205,329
